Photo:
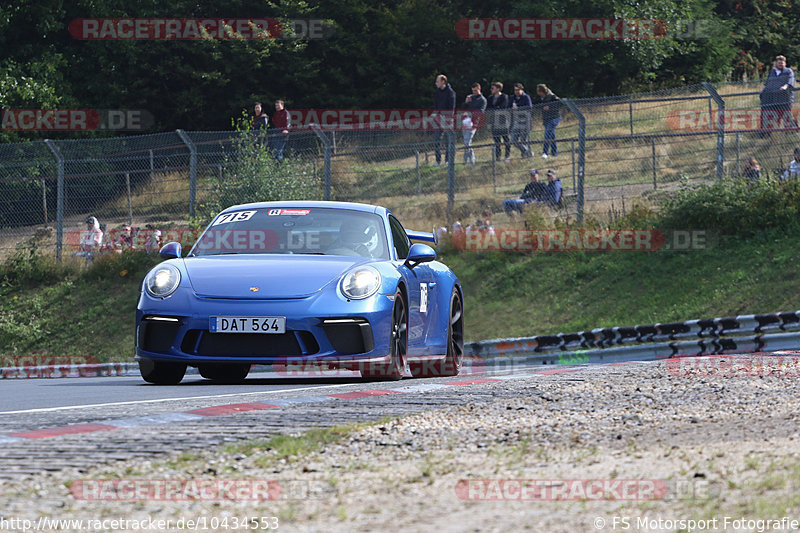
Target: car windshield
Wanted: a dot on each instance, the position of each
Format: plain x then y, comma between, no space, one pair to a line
312,230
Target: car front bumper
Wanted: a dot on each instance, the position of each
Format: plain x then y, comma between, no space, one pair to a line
323,329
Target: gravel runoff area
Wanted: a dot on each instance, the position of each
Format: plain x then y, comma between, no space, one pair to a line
616,448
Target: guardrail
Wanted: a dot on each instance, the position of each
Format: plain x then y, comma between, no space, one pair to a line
712,336
772,332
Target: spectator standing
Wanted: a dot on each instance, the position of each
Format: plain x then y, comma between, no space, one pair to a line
152,242
777,97
551,117
260,119
554,189
793,170
93,237
534,191
125,239
752,170
521,106
444,103
499,118
475,103
260,122
280,126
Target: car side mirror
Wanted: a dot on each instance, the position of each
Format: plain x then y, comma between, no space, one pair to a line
171,250
420,253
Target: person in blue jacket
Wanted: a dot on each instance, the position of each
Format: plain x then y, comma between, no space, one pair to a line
444,102
554,189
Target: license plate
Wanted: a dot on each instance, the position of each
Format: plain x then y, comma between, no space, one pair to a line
247,324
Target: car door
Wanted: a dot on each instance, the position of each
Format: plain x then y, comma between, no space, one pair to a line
419,282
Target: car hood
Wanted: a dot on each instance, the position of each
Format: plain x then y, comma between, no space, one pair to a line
264,277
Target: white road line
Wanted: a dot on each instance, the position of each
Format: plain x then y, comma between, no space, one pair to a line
135,402
511,374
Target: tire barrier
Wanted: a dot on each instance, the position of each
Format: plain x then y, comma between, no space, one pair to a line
713,336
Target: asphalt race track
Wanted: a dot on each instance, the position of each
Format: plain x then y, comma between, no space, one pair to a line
102,419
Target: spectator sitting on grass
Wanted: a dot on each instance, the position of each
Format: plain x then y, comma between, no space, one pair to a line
484,223
752,170
793,171
535,191
554,189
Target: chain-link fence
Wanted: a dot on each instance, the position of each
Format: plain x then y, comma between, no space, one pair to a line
611,153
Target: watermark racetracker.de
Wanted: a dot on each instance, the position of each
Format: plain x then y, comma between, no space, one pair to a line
735,366
198,29
385,119
579,29
198,489
744,119
76,119
580,239
612,489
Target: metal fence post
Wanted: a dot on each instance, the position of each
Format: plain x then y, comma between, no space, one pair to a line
44,200
653,146
130,206
451,174
326,195
494,170
59,198
574,186
419,176
326,169
192,169
581,152
630,113
152,165
720,126
738,168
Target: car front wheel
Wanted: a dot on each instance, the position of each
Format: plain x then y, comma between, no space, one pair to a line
398,343
451,364
225,373
161,372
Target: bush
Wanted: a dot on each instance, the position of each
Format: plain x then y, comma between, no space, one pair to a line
28,266
254,175
735,207
132,263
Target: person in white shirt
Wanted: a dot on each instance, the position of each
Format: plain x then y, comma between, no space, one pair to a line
93,238
793,171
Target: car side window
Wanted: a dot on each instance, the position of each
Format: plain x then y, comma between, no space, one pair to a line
399,238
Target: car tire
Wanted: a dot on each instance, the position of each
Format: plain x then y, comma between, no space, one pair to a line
161,372
232,373
451,364
398,345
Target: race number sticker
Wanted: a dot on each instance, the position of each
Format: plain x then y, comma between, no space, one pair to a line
238,216
276,212
423,297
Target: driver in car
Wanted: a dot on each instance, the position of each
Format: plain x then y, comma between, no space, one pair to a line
353,239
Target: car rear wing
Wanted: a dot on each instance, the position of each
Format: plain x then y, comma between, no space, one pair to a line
423,236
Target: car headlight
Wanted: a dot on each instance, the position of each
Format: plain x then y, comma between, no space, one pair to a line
162,281
361,282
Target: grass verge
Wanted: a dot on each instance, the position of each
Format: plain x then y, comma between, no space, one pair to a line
91,312
51,309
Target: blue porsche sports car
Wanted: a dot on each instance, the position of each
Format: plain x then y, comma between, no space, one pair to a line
339,285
